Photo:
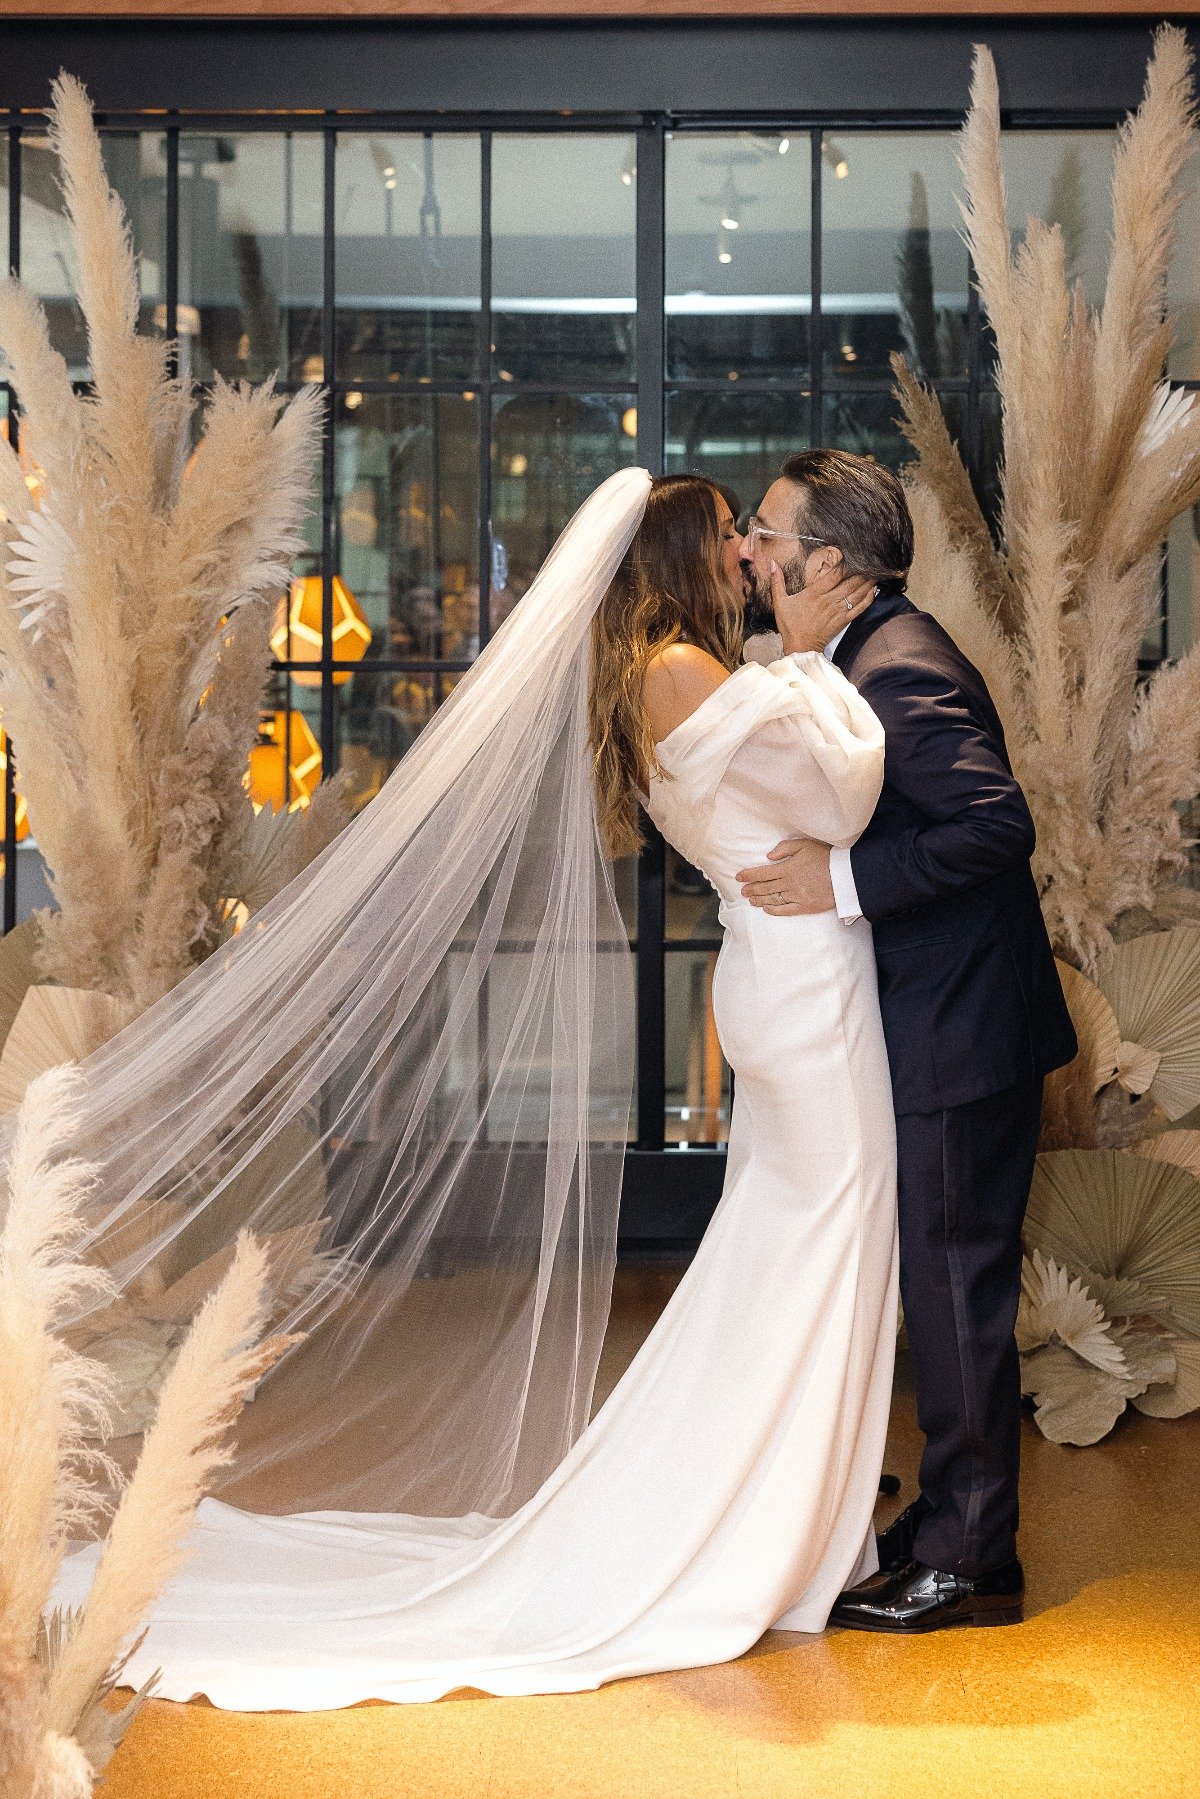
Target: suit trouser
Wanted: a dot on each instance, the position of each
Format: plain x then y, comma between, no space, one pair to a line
964,1177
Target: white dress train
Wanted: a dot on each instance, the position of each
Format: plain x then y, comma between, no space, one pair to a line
727,1483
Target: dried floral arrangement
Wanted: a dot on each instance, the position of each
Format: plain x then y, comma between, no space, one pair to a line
137,584
57,1669
136,604
1100,455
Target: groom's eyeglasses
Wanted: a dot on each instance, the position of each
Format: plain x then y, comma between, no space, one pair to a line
757,532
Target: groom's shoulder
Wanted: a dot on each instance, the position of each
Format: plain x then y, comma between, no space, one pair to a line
907,638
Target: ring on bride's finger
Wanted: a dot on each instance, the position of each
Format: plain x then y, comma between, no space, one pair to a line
849,605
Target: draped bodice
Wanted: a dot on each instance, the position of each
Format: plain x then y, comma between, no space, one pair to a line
788,749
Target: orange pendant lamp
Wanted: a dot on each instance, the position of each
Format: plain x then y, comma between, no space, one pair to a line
297,632
285,768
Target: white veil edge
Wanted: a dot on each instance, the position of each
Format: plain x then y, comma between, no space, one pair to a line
411,1072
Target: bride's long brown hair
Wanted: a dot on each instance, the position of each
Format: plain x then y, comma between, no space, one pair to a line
668,589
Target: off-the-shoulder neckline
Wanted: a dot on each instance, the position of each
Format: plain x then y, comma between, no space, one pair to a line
802,655
696,710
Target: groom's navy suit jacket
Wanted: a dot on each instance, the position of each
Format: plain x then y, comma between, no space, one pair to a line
970,996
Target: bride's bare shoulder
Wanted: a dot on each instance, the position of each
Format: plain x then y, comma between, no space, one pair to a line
677,680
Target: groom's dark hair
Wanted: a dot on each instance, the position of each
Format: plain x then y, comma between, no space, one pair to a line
856,505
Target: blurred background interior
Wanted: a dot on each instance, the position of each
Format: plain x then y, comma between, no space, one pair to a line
504,309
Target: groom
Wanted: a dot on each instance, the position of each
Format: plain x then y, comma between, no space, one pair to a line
973,1016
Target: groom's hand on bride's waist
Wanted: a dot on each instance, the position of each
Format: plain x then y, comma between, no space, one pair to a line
794,881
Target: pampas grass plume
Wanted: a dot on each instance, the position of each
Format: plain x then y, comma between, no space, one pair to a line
134,698
1096,465
54,1735
217,1365
52,1399
20,1718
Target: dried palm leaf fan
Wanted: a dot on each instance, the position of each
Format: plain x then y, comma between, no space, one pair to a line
1183,1394
1079,1403
1055,1305
1069,1114
1128,1225
18,971
1096,1027
137,1342
1182,1148
1154,988
54,1025
1069,1096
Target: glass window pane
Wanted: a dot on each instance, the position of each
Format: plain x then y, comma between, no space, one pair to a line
300,607
739,439
1064,177
563,254
625,883
739,264
991,456
1183,290
866,424
548,452
691,903
380,716
407,484
407,256
250,254
137,168
893,266
1183,584
697,1073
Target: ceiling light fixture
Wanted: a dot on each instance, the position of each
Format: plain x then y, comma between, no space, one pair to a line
731,202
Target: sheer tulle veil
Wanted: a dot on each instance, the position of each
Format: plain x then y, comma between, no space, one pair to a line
412,1072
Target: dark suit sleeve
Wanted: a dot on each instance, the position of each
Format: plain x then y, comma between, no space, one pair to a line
951,768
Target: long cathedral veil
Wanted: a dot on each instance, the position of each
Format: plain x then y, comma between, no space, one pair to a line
412,1073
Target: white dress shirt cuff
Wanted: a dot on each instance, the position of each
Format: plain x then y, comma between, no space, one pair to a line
845,893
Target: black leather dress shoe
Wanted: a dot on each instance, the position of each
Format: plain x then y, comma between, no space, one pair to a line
896,1542
914,1599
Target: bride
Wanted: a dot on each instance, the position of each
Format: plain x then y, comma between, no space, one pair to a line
422,1050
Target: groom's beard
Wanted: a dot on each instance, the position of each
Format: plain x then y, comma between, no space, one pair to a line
758,613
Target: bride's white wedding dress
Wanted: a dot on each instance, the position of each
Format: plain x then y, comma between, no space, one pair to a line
727,1483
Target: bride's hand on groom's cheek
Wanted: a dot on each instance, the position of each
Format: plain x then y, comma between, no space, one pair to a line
794,882
812,617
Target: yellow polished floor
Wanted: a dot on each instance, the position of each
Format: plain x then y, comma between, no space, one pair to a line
1097,1694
